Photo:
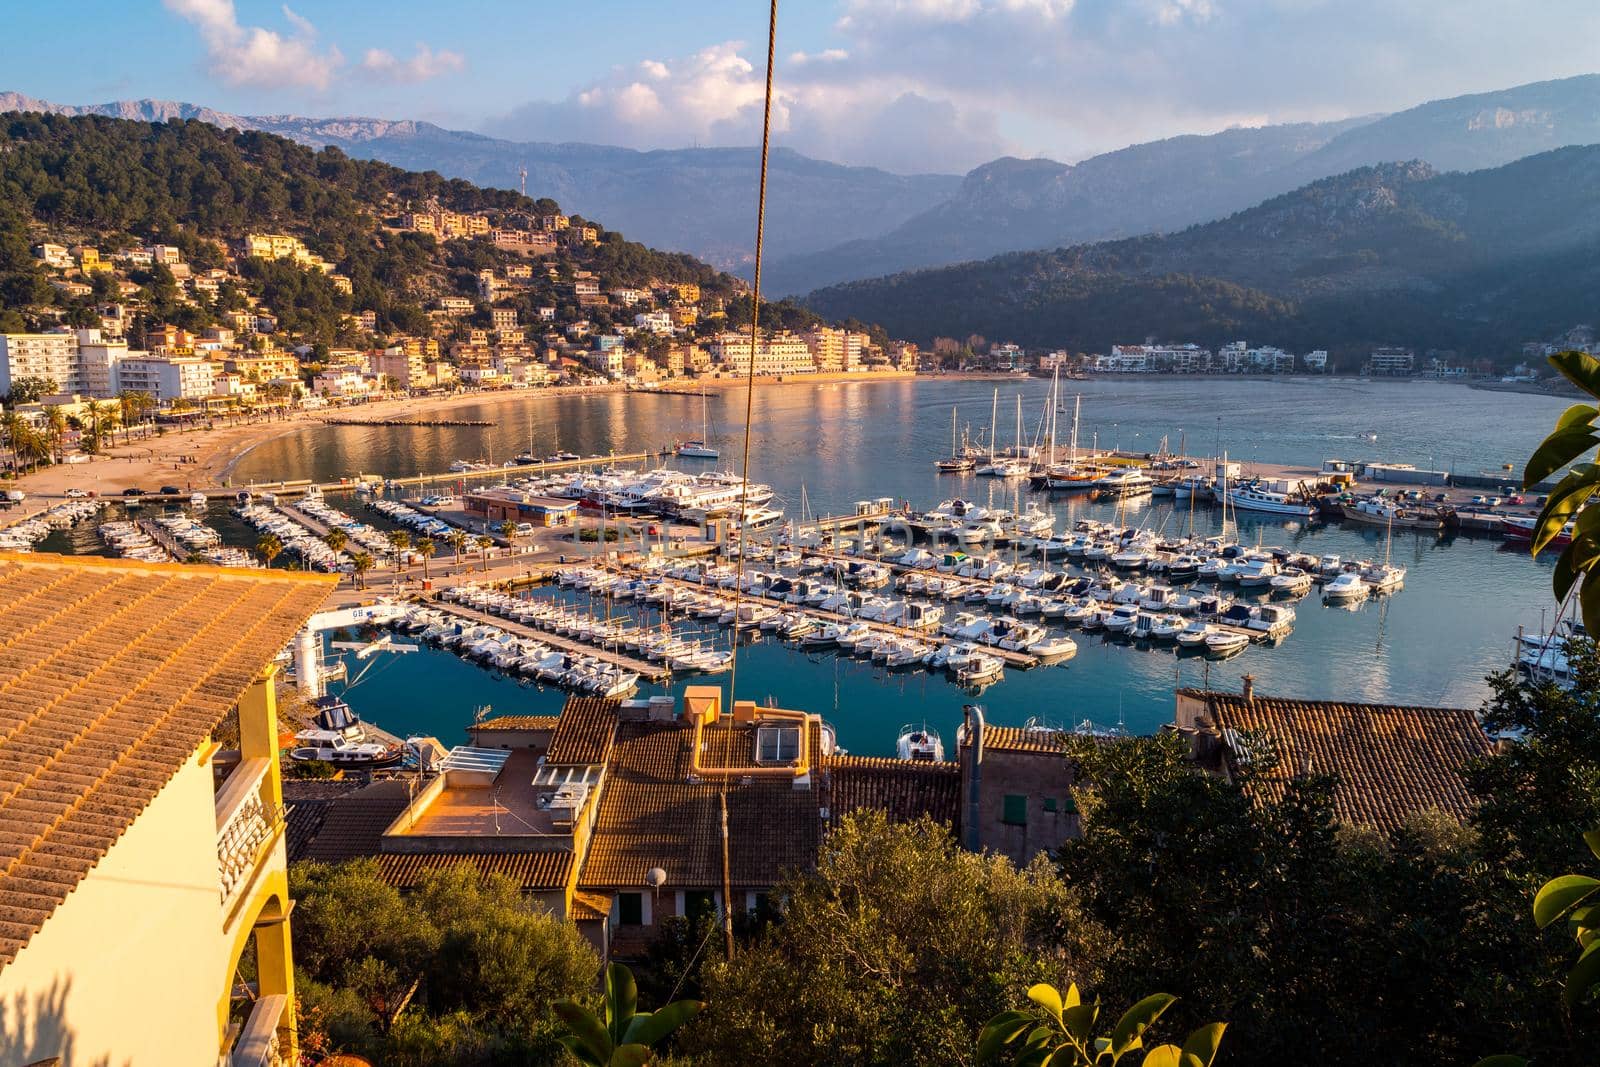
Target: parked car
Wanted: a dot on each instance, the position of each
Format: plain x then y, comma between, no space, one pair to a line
170,490
134,491
75,492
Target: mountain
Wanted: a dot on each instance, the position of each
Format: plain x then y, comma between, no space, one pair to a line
1013,204
697,200
1397,253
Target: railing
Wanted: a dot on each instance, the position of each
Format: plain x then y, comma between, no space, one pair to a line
258,1042
245,823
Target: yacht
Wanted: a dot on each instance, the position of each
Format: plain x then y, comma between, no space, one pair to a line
1224,643
1346,586
698,450
1257,497
1124,483
920,743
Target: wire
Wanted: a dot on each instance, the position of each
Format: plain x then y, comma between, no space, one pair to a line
750,368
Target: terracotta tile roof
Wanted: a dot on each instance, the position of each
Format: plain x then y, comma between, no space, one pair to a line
543,871
903,789
516,722
112,674
353,824
1391,761
590,907
584,731
1020,739
651,815
308,803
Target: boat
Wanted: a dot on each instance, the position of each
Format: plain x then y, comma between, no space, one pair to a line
1225,643
198,500
1123,483
1346,586
980,669
960,460
330,746
919,743
1256,496
1195,634
698,449
1381,511
1518,528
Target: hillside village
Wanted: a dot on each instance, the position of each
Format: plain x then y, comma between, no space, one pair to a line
517,296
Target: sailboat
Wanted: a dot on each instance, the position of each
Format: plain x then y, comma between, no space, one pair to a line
961,459
1008,464
1071,475
698,449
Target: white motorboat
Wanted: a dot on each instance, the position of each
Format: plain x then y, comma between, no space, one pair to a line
1195,634
919,743
1226,643
1347,586
1257,497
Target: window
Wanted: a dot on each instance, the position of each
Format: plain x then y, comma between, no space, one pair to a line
1016,810
699,904
1049,803
777,744
630,909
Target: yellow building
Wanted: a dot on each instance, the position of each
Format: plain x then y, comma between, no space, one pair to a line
135,875
688,292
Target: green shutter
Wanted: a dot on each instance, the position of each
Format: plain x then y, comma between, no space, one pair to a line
1049,803
1016,810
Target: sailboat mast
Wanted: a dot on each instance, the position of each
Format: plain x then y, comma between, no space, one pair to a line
1077,401
953,451
994,417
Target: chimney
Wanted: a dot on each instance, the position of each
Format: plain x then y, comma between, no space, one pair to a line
1249,681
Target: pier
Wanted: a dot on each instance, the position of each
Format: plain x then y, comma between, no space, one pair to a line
653,672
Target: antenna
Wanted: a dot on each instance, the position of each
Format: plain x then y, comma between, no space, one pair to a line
522,174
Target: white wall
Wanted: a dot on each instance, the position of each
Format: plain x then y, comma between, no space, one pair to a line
129,969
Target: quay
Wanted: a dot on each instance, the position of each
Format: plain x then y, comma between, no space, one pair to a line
406,422
653,672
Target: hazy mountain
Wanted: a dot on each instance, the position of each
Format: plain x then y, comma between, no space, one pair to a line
698,200
1397,253
1164,185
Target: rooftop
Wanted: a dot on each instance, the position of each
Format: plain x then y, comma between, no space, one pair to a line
516,722
1391,760
535,871
584,731
99,708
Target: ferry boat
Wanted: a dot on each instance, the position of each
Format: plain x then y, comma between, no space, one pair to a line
1257,497
1518,528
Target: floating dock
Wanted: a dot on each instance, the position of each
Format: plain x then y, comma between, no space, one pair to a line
652,672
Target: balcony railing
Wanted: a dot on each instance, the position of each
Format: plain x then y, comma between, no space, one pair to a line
245,823
258,1044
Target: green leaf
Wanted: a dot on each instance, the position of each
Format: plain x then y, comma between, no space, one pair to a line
1000,1032
1576,560
1047,997
1570,494
1584,976
622,1000
630,1056
1163,1056
1589,601
1556,451
1577,415
1592,839
1202,1044
1561,895
648,1028
579,1053
1072,998
586,1029
1136,1020
1579,368
1079,1020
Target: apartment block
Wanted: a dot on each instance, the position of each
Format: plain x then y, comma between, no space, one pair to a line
51,356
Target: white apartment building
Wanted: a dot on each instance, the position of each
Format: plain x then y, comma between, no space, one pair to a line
657,322
51,356
167,378
783,353
341,381
1391,361
100,362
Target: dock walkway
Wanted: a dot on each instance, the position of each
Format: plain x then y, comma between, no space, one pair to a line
654,672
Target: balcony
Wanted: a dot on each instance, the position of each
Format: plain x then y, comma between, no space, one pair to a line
258,1044
246,826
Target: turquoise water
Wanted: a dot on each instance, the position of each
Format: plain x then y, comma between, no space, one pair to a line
1430,644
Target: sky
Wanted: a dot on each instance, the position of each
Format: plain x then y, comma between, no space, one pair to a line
907,85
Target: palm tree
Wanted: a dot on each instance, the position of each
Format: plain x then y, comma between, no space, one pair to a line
55,429
336,539
485,543
458,540
400,540
426,547
269,548
508,530
16,429
362,563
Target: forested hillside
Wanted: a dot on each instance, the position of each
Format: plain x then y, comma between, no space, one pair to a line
1396,254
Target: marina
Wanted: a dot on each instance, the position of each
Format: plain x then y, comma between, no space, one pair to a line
1347,637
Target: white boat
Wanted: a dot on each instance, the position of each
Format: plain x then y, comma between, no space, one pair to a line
1054,647
1195,634
1256,497
981,669
1125,482
1226,643
1346,587
920,743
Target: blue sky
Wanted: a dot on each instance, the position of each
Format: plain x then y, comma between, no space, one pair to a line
905,84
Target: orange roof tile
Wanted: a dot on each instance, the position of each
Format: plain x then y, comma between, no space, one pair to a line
1391,760
584,731
542,871
902,789
111,675
516,722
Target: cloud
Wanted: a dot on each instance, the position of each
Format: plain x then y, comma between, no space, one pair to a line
256,56
424,65
946,84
